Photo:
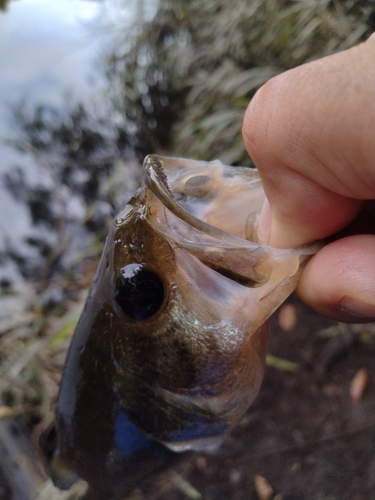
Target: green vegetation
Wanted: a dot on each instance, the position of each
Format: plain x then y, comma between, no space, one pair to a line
4,5
192,70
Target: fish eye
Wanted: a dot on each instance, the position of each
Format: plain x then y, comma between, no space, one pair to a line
139,292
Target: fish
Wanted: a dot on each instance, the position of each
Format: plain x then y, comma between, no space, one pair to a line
170,349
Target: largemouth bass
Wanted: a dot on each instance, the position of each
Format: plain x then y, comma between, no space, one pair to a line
170,349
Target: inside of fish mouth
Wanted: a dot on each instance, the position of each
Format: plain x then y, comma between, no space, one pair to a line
197,180
237,277
228,226
196,185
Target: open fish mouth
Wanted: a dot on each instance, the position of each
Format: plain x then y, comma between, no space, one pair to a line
216,209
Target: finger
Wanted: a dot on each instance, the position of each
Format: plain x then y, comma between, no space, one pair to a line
310,133
339,281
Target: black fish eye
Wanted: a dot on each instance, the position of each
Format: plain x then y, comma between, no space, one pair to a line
139,292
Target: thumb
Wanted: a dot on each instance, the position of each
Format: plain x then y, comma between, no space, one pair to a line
310,132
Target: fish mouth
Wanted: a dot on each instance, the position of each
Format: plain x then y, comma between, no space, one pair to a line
158,171
222,231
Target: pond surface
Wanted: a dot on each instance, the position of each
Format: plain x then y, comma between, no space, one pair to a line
49,53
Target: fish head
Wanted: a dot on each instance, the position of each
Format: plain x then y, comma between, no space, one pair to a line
170,349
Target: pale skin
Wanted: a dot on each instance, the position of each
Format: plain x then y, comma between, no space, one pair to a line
311,134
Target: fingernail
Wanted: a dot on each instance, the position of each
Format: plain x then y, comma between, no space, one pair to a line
265,222
357,308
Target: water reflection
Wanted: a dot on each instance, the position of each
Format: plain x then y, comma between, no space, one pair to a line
61,141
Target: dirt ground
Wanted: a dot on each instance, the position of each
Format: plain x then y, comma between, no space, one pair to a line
305,438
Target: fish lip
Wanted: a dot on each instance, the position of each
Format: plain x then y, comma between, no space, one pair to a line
219,240
213,246
156,180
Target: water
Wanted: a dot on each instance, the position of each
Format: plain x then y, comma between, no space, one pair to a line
49,54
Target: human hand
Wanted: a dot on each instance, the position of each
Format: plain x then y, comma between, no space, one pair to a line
311,133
